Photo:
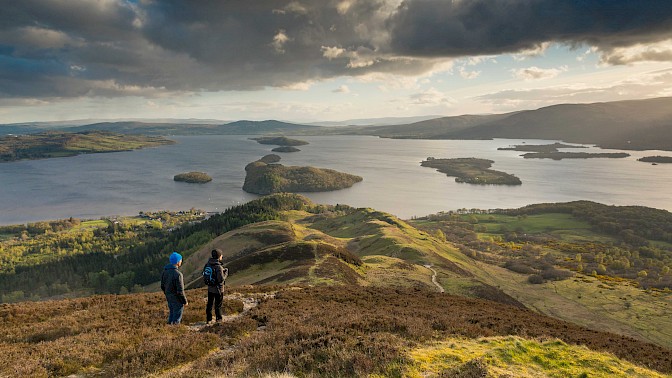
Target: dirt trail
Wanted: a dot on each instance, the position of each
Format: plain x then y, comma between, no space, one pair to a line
248,304
434,281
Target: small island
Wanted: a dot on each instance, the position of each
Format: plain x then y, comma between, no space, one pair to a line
471,171
193,177
280,141
285,149
266,176
64,144
545,148
574,155
551,151
656,159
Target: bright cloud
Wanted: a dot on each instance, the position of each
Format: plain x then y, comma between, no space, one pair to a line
536,73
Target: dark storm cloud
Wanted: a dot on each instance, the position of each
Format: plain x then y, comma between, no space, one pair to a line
476,27
70,48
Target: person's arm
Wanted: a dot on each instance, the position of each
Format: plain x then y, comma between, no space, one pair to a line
163,281
179,289
225,273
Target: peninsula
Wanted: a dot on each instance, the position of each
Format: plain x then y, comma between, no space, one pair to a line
545,148
266,176
574,155
656,159
471,171
193,177
63,144
285,149
280,141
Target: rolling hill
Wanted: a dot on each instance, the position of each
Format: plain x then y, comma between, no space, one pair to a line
635,125
319,290
233,128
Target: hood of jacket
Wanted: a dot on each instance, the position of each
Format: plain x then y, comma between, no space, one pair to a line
213,261
169,267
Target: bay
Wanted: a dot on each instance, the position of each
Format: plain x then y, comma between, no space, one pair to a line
124,183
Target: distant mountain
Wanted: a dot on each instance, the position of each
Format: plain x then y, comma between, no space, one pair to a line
36,127
430,129
233,128
636,125
387,121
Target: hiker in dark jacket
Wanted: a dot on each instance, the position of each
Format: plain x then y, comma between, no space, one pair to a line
172,285
216,287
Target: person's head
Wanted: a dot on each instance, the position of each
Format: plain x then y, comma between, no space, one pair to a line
217,254
175,259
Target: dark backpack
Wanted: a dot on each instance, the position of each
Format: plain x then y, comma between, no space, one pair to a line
209,276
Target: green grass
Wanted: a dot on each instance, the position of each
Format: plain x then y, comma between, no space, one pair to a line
512,356
586,301
551,223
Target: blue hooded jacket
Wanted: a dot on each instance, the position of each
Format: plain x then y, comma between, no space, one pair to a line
172,284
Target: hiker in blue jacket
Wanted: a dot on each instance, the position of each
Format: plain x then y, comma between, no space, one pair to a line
172,285
214,276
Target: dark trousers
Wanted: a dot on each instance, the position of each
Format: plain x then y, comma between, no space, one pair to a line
175,310
216,299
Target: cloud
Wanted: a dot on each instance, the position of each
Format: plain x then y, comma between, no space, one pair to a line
342,89
332,52
52,49
476,27
532,52
469,74
647,85
279,41
432,96
536,73
656,52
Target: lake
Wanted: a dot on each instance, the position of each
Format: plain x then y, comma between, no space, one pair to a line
124,183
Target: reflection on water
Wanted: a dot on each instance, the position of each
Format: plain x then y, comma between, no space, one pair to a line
91,186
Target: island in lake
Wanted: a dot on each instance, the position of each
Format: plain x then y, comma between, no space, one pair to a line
551,151
574,155
285,149
545,148
280,141
656,159
266,176
63,144
193,177
471,171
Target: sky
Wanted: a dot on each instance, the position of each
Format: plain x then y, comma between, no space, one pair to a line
325,60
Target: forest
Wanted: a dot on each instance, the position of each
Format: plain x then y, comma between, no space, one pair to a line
555,240
113,259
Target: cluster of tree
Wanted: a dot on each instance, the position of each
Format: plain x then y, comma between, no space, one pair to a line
265,178
540,256
193,177
471,171
122,261
633,224
37,228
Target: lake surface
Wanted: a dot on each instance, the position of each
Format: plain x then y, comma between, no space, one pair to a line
124,183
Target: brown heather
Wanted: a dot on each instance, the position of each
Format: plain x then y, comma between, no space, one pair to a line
309,331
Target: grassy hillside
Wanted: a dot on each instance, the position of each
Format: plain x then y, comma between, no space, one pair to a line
360,292
310,331
605,267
